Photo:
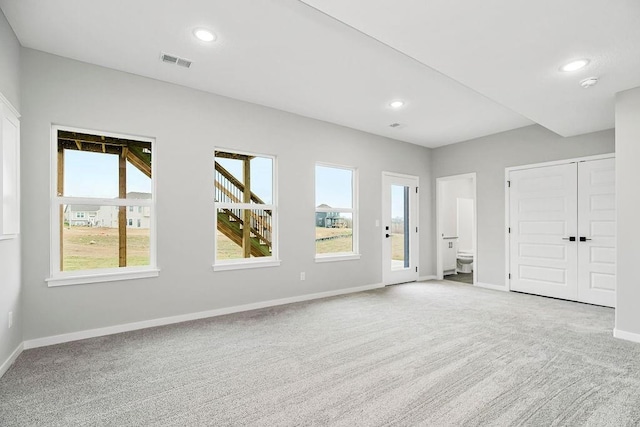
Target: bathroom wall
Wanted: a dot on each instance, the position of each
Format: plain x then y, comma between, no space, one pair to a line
451,192
466,234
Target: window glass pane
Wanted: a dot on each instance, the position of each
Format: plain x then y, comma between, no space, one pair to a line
91,239
89,174
399,227
334,232
334,187
231,239
91,165
231,183
138,236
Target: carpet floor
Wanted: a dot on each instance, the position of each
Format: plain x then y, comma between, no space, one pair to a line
432,353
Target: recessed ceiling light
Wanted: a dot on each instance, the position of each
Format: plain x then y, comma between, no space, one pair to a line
396,104
204,35
574,65
587,83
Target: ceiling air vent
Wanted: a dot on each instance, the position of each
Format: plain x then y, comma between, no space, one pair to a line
173,59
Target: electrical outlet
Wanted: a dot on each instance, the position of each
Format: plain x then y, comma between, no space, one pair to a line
10,319
302,276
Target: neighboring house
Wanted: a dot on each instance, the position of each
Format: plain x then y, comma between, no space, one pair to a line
137,216
328,219
80,215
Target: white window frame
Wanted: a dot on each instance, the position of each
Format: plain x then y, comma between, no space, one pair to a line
9,177
354,211
64,278
257,262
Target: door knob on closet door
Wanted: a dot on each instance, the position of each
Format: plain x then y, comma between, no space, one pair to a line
570,238
583,239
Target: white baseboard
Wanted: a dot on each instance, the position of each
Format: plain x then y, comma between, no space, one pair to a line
490,286
624,335
12,358
109,330
425,278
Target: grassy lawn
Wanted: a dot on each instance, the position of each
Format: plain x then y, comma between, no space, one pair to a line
226,249
343,243
88,248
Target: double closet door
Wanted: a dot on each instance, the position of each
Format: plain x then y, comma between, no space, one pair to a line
562,231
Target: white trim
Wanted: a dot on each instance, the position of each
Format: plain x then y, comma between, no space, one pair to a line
473,177
562,162
62,278
109,330
336,257
624,335
246,264
491,286
354,210
414,255
237,264
12,358
9,105
90,276
426,278
507,201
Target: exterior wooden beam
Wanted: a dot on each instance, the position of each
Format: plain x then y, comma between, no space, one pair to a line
246,217
122,210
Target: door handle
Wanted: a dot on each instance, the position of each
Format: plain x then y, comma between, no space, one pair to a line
386,235
584,239
572,238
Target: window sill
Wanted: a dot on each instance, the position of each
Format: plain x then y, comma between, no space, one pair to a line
334,258
86,278
245,265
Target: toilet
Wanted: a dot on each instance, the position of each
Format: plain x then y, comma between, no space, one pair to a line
465,262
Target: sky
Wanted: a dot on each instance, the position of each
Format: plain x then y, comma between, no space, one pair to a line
96,175
88,174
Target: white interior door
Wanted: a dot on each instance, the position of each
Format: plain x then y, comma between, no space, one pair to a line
543,222
596,232
399,228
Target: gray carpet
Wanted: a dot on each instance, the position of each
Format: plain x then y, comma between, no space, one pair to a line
416,354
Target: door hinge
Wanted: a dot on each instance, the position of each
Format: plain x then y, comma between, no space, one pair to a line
416,229
509,276
509,230
508,183
416,269
416,190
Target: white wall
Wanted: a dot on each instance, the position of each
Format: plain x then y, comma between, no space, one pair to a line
10,286
187,125
628,211
465,224
451,192
488,157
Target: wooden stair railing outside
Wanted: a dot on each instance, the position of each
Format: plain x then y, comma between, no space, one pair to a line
260,224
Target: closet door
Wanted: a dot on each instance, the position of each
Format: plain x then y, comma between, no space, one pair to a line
543,206
596,232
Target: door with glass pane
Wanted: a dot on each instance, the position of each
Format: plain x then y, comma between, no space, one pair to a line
399,228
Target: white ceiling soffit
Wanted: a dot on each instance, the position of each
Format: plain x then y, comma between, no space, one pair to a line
283,54
511,50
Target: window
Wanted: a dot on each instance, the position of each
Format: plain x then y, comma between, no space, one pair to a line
336,213
245,206
9,170
98,180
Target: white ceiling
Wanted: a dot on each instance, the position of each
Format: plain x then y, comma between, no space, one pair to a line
465,69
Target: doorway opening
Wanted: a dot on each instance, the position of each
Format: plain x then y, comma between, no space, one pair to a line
456,213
